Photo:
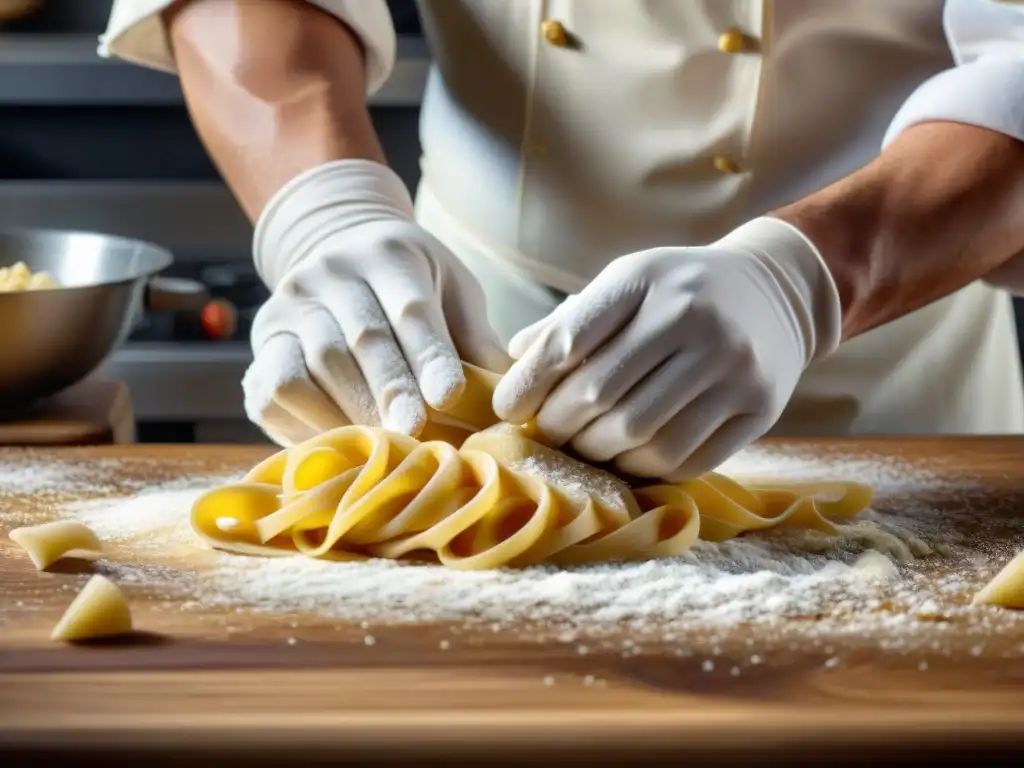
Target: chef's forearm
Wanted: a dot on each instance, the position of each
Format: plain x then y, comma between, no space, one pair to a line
274,87
938,209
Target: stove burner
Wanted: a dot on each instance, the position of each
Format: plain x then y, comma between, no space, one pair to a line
235,282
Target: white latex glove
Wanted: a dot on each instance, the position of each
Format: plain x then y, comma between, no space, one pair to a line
672,359
369,314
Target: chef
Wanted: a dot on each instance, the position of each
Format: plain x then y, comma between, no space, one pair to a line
692,222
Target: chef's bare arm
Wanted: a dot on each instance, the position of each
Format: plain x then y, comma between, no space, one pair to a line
274,87
940,208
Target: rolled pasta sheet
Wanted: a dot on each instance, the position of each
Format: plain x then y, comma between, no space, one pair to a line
1006,590
98,611
359,492
47,543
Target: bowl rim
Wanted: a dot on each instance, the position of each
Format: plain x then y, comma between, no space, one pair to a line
164,257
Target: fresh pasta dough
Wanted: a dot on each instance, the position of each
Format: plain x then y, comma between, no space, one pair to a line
99,610
49,542
20,278
486,499
1007,588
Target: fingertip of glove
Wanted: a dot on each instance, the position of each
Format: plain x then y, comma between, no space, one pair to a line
517,346
442,383
508,402
522,341
405,415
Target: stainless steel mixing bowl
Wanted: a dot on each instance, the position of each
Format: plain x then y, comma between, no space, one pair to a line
52,339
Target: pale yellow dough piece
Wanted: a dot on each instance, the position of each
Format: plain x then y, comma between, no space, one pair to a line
99,610
1007,588
486,499
49,542
20,278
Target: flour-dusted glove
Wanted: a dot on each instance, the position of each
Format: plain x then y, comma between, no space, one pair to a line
672,359
369,314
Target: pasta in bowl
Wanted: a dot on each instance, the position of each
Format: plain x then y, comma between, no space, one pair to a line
487,499
19,277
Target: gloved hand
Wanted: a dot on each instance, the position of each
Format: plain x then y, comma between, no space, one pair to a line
672,359
369,314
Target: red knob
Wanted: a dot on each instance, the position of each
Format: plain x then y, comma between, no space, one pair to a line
219,319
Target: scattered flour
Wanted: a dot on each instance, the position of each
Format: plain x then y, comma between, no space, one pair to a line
574,478
29,475
901,574
876,576
152,520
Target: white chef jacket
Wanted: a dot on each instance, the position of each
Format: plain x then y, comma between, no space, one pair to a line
560,134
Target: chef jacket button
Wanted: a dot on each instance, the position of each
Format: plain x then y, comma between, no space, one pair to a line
554,32
725,164
732,41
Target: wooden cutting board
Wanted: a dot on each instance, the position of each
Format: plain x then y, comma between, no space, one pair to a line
93,412
214,683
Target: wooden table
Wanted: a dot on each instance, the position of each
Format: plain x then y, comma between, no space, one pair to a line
193,692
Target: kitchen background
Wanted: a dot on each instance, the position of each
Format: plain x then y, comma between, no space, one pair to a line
88,143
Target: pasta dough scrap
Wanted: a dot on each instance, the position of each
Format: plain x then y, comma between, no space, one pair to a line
358,492
99,610
49,542
20,278
1007,587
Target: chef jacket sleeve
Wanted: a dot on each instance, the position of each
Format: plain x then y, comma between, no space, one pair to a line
986,85
135,32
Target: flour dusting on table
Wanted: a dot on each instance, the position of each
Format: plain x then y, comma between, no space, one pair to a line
877,576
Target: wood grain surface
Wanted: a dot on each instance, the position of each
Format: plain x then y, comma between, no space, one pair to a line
209,683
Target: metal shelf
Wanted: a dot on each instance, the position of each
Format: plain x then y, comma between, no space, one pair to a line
65,70
191,218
